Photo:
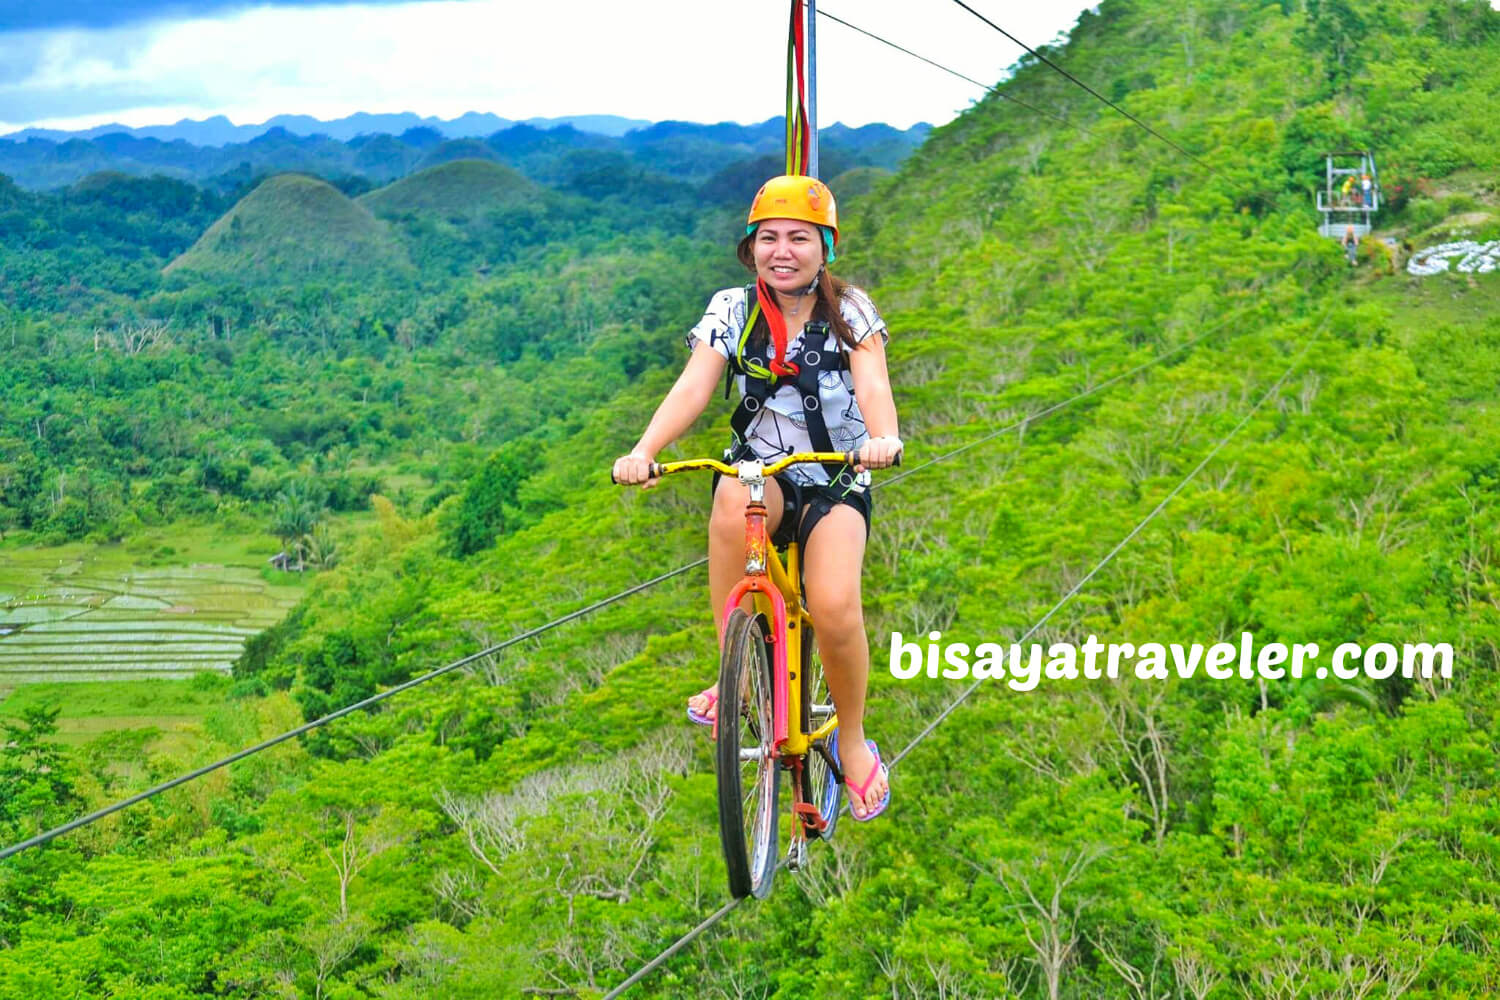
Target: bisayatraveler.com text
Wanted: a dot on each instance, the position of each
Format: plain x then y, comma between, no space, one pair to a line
1024,668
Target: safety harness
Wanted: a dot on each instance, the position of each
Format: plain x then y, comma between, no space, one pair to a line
763,379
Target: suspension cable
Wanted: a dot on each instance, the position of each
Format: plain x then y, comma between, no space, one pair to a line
953,72
675,947
725,910
1041,414
1129,537
1054,66
308,727
370,702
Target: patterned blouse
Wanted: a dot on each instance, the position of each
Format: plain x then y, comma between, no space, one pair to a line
780,428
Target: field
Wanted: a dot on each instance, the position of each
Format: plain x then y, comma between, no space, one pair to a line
122,635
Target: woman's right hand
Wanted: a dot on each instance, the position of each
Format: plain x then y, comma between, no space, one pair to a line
634,469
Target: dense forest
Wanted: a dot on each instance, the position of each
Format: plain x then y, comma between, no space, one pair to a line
464,350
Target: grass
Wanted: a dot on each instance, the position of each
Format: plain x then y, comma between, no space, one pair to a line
91,708
462,188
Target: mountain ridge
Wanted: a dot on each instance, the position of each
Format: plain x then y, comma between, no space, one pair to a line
285,144
219,130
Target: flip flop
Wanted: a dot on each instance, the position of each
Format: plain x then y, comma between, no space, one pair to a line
698,718
869,780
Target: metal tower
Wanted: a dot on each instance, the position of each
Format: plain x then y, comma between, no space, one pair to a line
1345,199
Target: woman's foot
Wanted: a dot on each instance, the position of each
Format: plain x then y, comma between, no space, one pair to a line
703,707
859,764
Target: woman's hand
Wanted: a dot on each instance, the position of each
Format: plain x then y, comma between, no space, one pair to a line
634,469
879,453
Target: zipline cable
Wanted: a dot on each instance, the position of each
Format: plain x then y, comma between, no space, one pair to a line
727,908
988,89
1054,66
93,817
308,727
1031,418
1074,590
675,947
375,699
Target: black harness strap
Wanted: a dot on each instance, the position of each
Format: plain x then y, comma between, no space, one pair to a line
812,360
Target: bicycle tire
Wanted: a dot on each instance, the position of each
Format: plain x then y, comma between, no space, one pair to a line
819,786
747,808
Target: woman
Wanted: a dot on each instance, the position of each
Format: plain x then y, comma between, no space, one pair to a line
790,237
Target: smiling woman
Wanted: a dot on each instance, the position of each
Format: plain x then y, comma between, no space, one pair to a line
808,351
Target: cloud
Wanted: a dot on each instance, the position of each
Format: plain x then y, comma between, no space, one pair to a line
28,15
689,60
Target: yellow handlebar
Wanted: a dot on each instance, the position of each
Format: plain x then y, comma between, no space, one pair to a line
698,464
659,469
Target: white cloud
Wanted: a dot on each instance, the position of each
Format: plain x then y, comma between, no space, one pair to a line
685,59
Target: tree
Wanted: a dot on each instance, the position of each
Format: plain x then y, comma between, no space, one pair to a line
482,510
36,780
294,516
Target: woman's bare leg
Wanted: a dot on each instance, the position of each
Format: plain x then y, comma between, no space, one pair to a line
726,554
832,563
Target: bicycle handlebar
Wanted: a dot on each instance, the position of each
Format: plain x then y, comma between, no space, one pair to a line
659,469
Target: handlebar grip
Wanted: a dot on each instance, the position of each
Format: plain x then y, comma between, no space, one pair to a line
852,457
655,472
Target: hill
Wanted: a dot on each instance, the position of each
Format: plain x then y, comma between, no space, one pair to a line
287,143
1170,413
293,227
219,131
453,190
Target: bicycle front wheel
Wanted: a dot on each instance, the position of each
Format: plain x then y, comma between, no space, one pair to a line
749,784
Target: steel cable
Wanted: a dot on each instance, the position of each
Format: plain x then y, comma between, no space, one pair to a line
987,88
307,727
1069,76
1072,592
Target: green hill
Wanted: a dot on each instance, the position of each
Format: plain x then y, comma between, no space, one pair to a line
293,227
458,149
544,822
460,191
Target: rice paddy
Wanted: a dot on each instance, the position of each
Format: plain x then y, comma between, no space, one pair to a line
81,614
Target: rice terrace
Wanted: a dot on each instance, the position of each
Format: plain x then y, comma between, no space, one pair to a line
75,614
83,622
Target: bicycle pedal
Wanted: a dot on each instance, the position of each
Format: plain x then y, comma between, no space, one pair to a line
796,855
812,819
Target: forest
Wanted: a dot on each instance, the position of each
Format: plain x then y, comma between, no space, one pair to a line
437,368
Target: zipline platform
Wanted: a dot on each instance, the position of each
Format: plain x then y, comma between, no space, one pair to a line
1350,195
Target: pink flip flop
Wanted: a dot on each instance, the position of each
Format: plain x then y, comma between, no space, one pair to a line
860,790
698,718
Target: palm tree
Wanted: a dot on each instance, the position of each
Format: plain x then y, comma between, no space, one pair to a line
320,547
293,517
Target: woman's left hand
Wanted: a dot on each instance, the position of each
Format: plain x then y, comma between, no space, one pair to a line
879,453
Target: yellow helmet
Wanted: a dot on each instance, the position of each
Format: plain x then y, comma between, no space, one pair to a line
792,196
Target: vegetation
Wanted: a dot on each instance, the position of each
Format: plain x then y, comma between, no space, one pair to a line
542,822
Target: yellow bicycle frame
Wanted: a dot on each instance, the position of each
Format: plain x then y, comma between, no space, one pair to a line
776,588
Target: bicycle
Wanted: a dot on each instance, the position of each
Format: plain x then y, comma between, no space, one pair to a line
769,675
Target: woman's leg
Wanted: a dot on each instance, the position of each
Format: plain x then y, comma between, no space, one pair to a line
726,554
832,562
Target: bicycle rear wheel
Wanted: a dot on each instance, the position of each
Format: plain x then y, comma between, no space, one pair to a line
820,787
749,774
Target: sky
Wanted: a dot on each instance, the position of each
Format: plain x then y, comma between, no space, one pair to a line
78,63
